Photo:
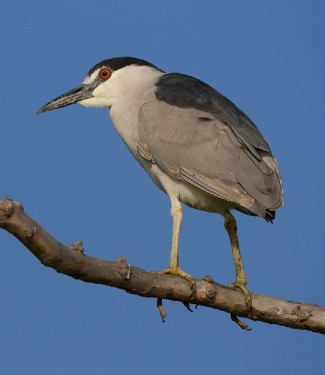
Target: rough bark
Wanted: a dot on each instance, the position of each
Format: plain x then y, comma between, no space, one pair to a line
71,261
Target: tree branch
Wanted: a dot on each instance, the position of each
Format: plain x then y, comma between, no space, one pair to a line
71,261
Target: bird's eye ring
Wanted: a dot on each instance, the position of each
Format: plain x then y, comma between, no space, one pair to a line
105,73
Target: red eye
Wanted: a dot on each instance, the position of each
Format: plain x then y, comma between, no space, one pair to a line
105,73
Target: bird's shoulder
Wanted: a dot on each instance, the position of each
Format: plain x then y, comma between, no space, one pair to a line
185,91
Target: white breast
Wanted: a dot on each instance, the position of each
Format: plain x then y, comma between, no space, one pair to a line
138,86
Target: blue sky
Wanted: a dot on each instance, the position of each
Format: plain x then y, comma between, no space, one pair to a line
76,178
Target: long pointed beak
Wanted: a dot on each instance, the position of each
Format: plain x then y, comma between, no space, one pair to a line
71,97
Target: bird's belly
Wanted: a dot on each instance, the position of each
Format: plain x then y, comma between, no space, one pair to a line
186,193
126,126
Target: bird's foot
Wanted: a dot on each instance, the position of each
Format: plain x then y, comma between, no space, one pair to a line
177,271
242,286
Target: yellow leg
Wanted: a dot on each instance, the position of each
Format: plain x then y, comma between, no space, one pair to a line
231,228
174,268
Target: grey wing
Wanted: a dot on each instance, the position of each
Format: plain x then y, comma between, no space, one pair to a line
193,146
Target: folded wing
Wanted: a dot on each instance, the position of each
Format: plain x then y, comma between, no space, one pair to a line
195,147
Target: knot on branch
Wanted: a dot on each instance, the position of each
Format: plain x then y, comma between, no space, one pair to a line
124,268
77,246
29,232
301,313
6,208
209,290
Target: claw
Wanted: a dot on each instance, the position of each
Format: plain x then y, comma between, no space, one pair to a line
187,305
241,324
177,271
247,295
161,310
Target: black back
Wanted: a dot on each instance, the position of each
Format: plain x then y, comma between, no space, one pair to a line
188,92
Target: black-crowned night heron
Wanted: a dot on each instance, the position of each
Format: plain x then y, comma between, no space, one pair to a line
194,143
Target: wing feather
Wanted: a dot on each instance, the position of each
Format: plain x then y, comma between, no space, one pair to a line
185,91
193,146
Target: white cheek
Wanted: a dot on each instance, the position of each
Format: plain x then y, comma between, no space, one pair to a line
103,96
105,89
95,102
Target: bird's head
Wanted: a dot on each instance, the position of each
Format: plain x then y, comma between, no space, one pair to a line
106,82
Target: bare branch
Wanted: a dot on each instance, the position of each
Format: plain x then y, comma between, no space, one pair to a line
73,262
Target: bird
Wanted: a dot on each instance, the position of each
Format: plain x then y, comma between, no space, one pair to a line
196,145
